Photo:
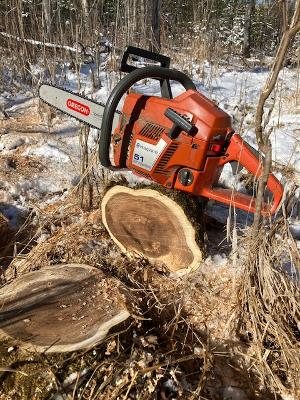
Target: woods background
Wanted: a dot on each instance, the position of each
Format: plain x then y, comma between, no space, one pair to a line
189,30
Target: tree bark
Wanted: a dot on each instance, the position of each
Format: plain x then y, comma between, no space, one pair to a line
249,10
47,16
155,26
85,10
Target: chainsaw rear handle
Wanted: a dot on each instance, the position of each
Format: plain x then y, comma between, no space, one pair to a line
120,89
240,152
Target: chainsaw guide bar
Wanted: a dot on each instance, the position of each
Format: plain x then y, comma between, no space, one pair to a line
80,107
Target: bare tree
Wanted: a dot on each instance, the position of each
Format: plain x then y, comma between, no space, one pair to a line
47,16
249,11
155,25
263,135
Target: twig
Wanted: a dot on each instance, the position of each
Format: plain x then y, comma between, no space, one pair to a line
176,361
262,137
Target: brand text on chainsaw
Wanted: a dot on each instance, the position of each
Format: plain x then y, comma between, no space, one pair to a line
79,107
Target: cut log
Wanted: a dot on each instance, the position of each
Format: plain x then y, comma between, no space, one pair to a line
61,308
149,224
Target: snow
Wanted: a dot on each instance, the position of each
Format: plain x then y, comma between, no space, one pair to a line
219,260
233,393
10,143
48,151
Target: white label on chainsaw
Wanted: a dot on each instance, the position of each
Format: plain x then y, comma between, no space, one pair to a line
145,154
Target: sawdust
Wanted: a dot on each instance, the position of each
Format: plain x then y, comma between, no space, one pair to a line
24,121
74,238
16,166
26,118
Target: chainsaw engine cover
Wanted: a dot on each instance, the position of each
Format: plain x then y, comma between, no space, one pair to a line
143,144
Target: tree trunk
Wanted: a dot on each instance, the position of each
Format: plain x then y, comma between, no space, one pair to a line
155,26
61,308
249,10
146,223
85,10
47,16
145,22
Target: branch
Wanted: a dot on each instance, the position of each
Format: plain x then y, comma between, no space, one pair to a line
288,34
267,163
284,16
262,137
296,16
38,43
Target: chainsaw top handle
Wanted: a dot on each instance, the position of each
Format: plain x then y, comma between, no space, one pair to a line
120,89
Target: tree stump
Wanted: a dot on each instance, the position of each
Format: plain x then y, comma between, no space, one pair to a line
146,223
61,308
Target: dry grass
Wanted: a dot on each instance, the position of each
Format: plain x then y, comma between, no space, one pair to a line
270,318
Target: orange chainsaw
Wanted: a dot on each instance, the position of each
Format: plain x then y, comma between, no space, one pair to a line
181,143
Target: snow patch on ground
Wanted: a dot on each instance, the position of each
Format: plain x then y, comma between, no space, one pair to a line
48,151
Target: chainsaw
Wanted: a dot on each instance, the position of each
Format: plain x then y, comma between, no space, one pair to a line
180,143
